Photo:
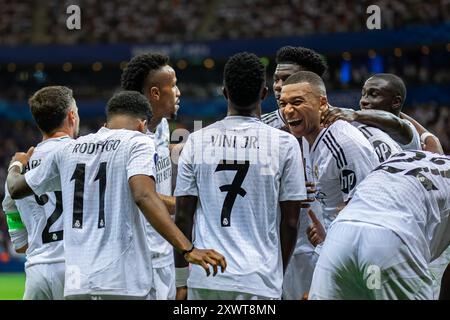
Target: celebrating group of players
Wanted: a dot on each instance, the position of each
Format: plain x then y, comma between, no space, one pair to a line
309,201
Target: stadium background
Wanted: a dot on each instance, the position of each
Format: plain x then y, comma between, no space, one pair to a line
36,50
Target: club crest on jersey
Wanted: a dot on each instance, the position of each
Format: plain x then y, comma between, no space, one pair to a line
316,171
348,180
225,222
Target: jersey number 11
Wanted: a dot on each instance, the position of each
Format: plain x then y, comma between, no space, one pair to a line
79,177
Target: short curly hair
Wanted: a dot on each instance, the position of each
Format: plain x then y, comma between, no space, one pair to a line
307,58
244,75
130,103
135,75
49,107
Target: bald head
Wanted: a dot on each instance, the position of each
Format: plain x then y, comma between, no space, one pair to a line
395,83
311,78
383,91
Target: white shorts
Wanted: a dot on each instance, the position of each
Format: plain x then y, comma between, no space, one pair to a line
207,294
164,282
366,262
44,282
298,276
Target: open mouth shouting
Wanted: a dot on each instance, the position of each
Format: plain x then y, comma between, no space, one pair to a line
294,122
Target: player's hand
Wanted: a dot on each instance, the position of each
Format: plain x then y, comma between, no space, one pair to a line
23,157
181,293
333,114
315,231
207,258
310,190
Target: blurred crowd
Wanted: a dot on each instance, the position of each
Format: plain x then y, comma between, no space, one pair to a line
413,66
136,21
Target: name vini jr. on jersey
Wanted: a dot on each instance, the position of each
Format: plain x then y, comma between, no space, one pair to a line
237,142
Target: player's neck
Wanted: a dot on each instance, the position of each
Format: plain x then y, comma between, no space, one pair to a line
311,137
252,112
154,122
54,135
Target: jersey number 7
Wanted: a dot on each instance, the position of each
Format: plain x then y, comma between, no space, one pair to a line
233,189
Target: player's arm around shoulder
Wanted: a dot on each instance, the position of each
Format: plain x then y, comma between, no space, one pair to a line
394,126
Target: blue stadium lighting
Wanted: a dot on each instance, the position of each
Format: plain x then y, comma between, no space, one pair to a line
40,76
345,75
376,64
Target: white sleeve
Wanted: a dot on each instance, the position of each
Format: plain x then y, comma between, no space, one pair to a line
45,177
186,183
141,155
274,119
19,237
8,204
292,184
414,144
354,156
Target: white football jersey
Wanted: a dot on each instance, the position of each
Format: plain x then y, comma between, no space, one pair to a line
42,216
274,119
104,236
410,195
415,141
384,146
162,251
341,158
240,169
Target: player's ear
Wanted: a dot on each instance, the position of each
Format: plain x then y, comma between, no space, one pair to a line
142,126
397,103
225,92
155,94
323,104
264,93
71,117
